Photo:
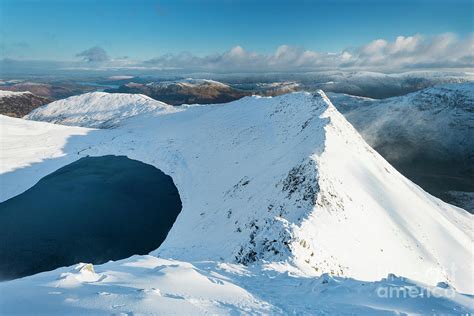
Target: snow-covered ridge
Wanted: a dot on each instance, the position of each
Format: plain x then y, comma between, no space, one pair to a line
442,115
285,179
5,93
98,109
189,82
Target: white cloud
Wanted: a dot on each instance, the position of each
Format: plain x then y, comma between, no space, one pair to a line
444,51
405,52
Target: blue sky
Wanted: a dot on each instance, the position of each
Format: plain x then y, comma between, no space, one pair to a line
58,30
233,35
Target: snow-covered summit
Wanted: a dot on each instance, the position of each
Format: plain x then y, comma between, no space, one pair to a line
98,109
189,82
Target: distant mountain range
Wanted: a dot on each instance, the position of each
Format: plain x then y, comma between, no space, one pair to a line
52,91
176,90
427,135
188,91
379,85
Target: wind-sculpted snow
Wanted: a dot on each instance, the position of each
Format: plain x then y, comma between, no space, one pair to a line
156,286
98,109
285,184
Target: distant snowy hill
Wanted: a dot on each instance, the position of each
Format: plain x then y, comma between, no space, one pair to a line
98,109
185,91
50,91
18,104
283,203
427,134
379,85
8,94
189,82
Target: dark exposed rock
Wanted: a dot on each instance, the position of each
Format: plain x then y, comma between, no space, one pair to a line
18,105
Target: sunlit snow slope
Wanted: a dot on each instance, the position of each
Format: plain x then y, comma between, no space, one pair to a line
98,109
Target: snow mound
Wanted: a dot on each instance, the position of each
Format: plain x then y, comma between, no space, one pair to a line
98,109
150,285
82,273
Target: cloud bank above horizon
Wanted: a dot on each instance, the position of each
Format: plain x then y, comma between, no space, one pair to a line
405,52
443,51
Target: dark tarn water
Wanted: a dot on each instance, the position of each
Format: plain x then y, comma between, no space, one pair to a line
93,210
